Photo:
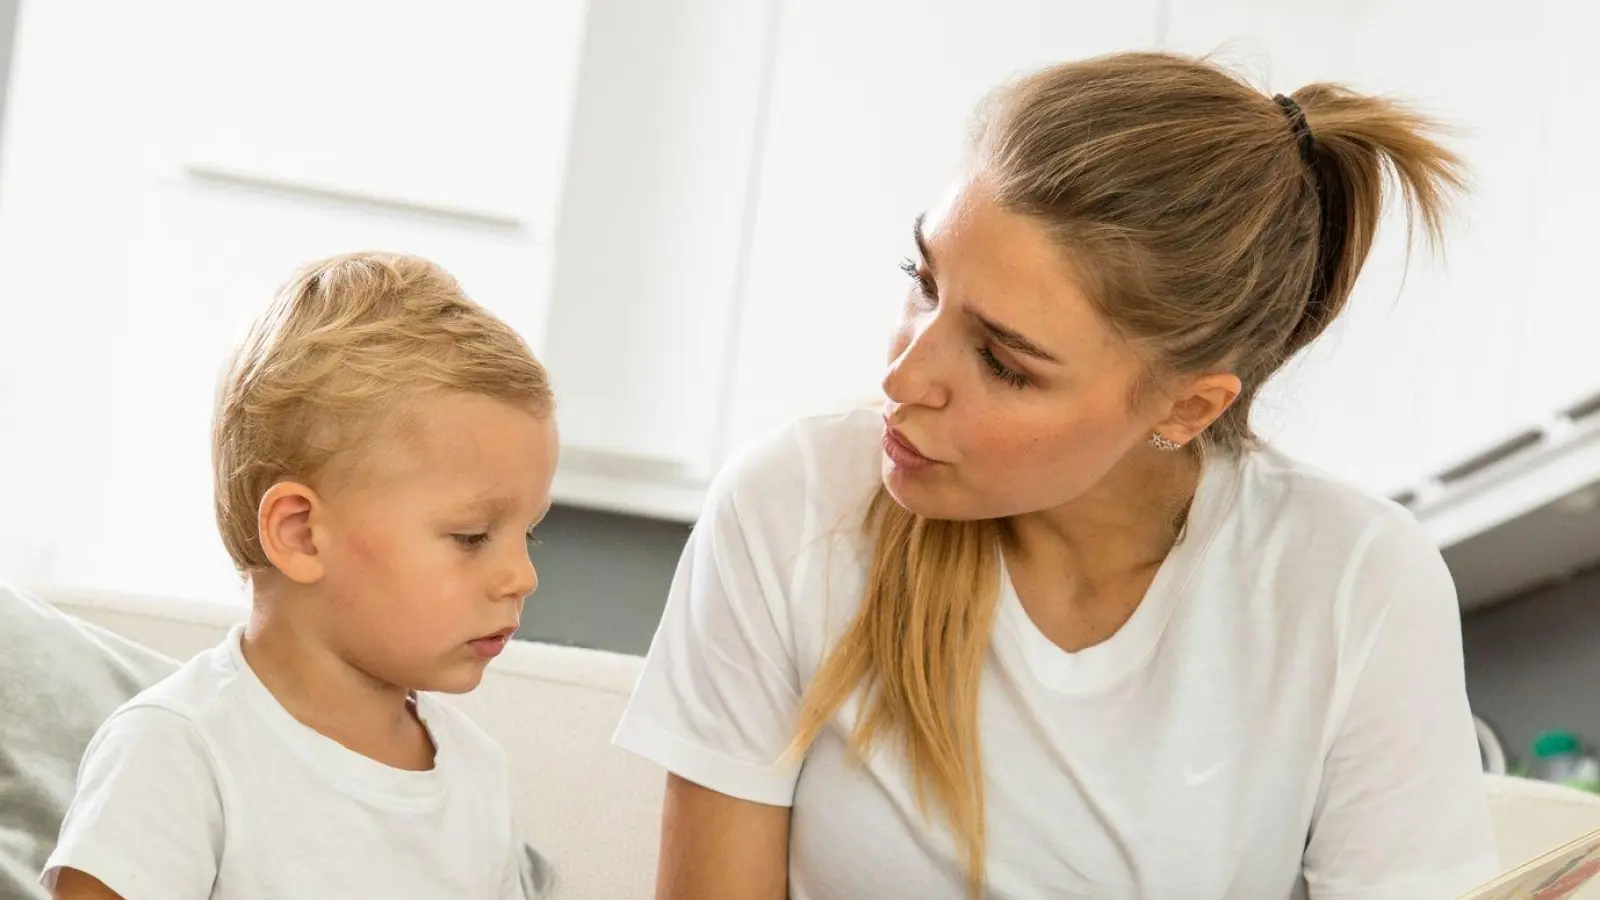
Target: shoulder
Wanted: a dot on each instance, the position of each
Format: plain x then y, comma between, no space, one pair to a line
813,458
1283,496
1367,550
148,747
164,729
204,689
148,731
809,476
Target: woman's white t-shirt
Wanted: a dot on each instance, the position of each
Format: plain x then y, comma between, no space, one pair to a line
1284,715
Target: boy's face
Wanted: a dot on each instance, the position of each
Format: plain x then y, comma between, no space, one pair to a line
426,564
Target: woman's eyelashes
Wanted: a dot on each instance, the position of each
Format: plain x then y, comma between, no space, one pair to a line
1002,371
927,292
920,279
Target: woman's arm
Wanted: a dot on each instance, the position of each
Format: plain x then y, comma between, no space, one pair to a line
716,847
1402,811
719,696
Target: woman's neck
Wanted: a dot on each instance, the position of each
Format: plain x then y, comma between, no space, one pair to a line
1130,519
1081,569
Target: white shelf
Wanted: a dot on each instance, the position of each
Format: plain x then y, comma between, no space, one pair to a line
1524,474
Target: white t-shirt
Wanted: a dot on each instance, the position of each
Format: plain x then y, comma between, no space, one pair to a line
1284,715
204,786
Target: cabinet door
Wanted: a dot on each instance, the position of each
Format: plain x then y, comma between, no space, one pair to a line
653,226
1420,372
869,108
1559,364
167,165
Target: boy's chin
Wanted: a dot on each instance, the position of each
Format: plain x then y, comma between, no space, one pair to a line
458,679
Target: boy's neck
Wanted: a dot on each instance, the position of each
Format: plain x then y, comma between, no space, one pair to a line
328,693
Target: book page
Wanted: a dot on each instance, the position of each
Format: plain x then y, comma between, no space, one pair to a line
1555,876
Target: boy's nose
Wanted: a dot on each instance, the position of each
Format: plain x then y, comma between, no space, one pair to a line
523,578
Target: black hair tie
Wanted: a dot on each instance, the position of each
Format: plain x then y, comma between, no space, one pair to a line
1302,131
1331,215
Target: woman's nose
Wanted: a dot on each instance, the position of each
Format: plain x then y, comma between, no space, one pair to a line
914,375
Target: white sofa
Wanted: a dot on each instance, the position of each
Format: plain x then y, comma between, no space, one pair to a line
593,810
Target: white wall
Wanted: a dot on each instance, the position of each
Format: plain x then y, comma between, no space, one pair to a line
128,274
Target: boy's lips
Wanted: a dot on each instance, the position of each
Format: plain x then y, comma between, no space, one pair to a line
490,645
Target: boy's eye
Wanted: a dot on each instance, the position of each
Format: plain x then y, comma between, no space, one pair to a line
532,539
470,541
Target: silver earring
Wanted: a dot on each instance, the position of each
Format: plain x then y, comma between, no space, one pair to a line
1163,443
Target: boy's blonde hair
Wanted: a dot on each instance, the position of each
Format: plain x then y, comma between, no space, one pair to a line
336,354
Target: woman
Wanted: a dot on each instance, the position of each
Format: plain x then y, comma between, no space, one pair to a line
1052,624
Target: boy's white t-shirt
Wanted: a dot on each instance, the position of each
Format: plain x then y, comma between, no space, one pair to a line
204,786
1284,716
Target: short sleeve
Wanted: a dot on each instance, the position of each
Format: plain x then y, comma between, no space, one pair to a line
718,699
146,819
1402,812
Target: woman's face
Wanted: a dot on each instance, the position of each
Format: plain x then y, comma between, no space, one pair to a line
1006,392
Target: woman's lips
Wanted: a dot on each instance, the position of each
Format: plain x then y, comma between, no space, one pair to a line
903,453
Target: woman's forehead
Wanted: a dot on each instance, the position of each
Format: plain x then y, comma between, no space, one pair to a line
1009,268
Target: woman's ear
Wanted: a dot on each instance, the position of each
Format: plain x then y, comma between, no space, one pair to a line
1203,402
287,523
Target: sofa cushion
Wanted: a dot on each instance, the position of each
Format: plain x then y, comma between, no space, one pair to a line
59,679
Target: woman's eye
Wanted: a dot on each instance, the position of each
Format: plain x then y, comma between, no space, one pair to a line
1002,371
924,285
469,541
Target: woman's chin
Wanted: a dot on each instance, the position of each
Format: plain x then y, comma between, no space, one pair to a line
922,494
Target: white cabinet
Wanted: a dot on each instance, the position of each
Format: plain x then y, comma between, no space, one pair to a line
167,164
449,108
1486,74
1557,342
652,234
870,104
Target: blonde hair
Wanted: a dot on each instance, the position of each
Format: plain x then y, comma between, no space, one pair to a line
345,342
1214,233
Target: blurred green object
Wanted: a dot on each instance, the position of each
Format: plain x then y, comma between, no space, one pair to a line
1556,743
1559,757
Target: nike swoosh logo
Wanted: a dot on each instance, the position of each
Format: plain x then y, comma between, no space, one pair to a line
1193,778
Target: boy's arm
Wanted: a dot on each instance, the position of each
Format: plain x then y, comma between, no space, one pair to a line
146,820
74,885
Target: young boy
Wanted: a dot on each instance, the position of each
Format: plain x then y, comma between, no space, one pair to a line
382,447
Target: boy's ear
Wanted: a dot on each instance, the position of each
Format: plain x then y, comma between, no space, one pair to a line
286,522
